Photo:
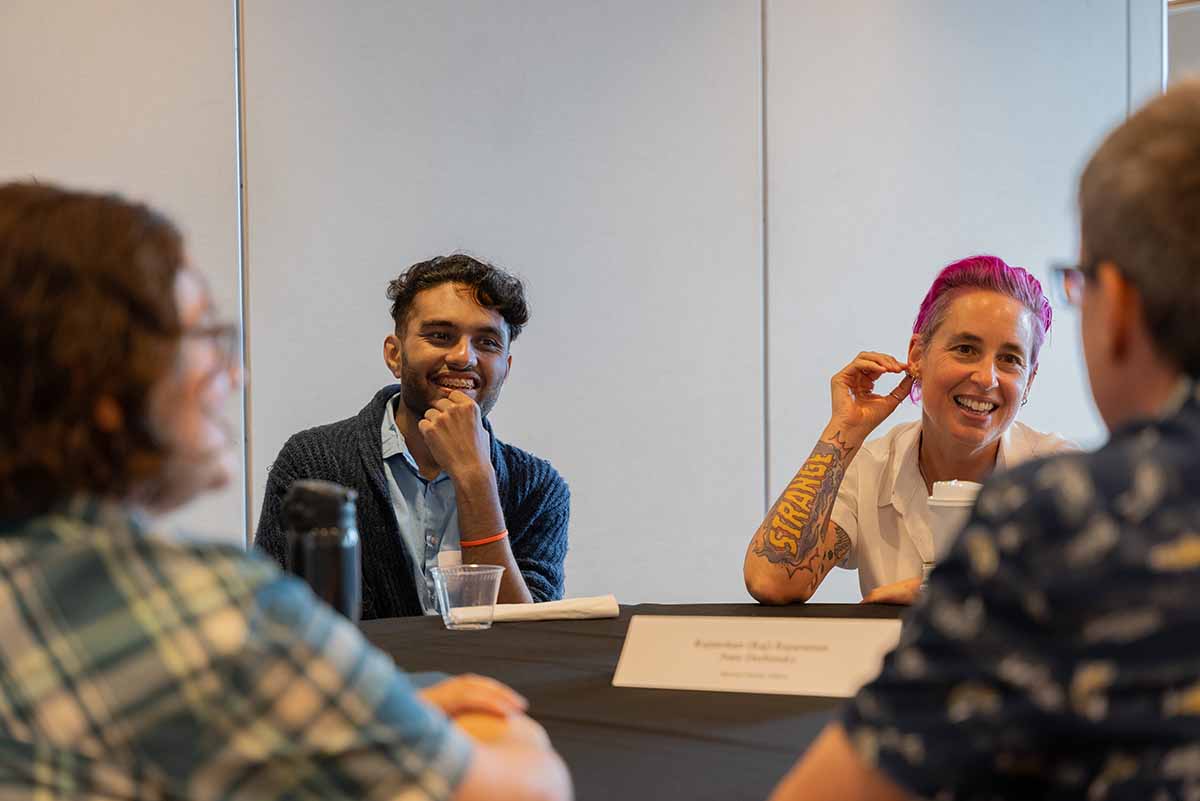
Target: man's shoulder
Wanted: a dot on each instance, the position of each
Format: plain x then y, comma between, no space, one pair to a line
1141,470
530,471
1174,447
254,592
338,435
1037,486
110,542
324,435
316,452
251,568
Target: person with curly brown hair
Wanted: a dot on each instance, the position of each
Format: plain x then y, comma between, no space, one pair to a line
137,667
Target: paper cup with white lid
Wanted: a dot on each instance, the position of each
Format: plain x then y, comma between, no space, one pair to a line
949,506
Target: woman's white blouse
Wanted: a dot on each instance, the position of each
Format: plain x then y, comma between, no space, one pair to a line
883,505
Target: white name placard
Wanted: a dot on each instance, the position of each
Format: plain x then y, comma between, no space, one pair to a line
829,657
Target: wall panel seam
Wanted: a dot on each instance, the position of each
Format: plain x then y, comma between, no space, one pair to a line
243,282
764,243
1128,57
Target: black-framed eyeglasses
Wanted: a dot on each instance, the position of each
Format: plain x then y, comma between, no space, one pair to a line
1067,286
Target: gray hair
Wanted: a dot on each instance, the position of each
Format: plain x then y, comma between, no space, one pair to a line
1139,203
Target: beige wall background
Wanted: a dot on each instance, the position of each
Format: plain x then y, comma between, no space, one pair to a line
1183,27
140,98
715,204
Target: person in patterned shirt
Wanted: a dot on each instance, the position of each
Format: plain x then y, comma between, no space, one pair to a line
134,667
1055,654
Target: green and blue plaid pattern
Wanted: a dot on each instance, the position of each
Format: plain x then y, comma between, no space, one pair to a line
133,667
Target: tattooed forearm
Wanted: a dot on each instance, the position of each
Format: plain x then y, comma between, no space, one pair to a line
841,547
794,533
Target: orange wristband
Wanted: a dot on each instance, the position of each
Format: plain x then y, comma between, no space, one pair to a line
484,541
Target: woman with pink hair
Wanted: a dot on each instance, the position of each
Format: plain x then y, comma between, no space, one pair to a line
864,505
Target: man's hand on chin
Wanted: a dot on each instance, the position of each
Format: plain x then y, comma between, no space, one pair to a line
453,430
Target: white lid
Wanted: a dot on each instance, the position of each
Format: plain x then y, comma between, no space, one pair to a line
954,492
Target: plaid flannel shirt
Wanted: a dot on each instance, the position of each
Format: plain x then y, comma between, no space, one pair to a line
132,667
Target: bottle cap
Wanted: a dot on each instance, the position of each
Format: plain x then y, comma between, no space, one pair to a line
311,504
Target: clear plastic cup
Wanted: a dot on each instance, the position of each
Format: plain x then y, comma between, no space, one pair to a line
466,595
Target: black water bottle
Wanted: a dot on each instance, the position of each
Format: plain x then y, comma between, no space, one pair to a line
322,542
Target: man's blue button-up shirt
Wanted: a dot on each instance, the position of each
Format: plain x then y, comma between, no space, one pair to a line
426,510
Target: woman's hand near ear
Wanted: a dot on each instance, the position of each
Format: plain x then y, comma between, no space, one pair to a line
857,409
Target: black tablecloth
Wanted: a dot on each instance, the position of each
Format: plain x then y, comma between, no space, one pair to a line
625,744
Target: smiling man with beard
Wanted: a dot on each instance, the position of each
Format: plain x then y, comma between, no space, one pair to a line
435,486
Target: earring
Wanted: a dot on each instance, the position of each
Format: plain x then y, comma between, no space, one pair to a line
1024,400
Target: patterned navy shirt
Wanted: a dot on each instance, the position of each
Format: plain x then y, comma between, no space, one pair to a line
1056,653
136,668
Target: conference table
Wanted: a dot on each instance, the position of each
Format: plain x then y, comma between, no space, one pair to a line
626,744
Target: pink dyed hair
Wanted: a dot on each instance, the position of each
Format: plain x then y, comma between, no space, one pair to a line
988,273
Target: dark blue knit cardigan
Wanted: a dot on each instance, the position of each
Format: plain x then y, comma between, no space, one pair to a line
534,497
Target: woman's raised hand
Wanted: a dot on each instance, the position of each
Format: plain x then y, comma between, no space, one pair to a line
857,410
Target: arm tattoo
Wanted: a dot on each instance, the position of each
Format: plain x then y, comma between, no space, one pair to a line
793,534
841,548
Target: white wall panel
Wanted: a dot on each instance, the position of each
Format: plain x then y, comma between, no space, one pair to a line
1147,50
902,136
1183,27
138,97
610,154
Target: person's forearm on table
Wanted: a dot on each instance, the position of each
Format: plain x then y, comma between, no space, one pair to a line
832,770
797,545
481,517
512,761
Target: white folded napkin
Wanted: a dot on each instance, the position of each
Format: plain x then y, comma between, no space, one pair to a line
568,609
